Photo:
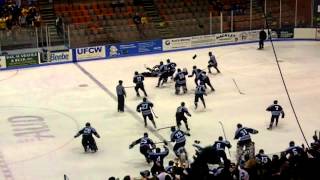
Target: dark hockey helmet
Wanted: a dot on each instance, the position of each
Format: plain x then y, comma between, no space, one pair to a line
144,99
179,70
136,73
88,124
145,134
275,101
173,128
120,82
220,138
168,60
239,125
194,67
210,53
161,62
261,151
291,143
183,103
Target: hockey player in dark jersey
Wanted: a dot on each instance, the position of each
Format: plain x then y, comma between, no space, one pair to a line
146,145
171,68
245,143
205,79
276,110
196,72
263,165
212,63
145,108
157,157
180,115
200,91
163,74
138,80
220,146
88,142
179,138
180,79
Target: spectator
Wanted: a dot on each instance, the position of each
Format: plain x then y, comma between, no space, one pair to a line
58,25
137,21
3,23
37,20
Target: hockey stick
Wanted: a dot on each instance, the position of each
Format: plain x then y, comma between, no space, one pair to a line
154,113
225,137
238,87
167,127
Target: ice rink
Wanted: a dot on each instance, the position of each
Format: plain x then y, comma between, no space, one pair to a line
43,108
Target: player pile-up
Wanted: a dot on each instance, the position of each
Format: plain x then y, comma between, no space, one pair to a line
245,146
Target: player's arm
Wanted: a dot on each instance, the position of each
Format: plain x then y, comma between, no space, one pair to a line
166,151
134,143
79,133
252,131
138,108
228,145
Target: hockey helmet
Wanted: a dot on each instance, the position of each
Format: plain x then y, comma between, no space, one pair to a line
145,134
183,103
173,128
239,125
168,60
210,53
136,73
88,124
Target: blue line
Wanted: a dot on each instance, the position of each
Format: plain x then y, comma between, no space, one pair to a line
129,110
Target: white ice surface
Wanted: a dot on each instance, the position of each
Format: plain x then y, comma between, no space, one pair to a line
53,93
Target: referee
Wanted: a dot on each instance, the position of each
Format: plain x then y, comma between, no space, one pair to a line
121,93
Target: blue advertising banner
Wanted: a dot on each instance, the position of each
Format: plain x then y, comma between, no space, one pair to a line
135,48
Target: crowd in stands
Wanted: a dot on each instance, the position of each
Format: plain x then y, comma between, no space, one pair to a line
14,13
294,163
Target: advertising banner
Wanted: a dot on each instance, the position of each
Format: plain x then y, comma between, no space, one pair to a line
248,35
176,43
226,38
86,53
201,41
3,62
24,59
134,48
54,57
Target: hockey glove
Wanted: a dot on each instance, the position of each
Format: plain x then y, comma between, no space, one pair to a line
130,146
282,116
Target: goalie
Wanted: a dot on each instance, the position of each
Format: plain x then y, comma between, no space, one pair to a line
245,144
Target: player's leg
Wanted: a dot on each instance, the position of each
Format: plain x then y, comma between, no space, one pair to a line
240,151
196,99
178,122
84,142
160,79
277,119
216,67
136,88
93,145
196,81
150,116
177,87
203,102
145,120
209,68
209,84
271,122
184,87
186,123
122,103
143,90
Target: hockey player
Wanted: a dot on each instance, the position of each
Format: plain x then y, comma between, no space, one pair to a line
172,68
146,145
157,157
276,110
179,138
220,146
200,91
212,63
163,72
245,143
263,165
145,108
196,72
181,110
180,79
138,80
205,79
88,142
